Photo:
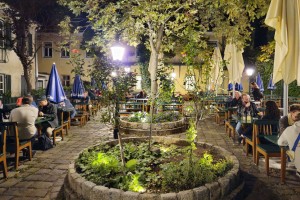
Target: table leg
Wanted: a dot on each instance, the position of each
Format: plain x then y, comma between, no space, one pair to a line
283,165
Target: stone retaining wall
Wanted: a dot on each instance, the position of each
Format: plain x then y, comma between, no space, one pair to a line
133,129
76,187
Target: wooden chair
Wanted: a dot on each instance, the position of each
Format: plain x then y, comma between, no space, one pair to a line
263,147
63,119
14,144
3,153
57,131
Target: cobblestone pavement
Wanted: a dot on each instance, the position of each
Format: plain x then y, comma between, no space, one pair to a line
43,177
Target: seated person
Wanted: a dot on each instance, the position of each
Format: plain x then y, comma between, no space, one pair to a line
272,111
47,109
289,119
25,115
291,137
87,101
142,94
237,100
66,104
246,108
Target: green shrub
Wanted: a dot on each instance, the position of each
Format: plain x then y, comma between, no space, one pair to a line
157,118
151,171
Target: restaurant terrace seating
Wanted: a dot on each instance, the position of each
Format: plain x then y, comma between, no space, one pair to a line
263,147
14,144
3,153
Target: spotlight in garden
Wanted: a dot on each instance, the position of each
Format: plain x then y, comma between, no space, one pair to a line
114,74
173,75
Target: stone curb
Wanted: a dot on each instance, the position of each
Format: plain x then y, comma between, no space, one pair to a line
77,187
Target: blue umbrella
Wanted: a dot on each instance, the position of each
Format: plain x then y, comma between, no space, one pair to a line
236,87
271,85
230,86
241,87
78,88
260,83
55,92
104,87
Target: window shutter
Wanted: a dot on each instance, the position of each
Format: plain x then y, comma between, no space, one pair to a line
8,40
7,83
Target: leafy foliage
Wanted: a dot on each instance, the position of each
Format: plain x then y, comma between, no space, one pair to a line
157,118
149,171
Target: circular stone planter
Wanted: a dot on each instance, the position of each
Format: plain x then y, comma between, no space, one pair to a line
133,129
77,187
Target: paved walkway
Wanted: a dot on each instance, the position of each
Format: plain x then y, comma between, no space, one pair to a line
43,177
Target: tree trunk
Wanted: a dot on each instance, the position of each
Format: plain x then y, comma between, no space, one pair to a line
153,72
27,77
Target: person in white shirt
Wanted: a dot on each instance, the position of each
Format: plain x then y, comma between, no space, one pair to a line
291,137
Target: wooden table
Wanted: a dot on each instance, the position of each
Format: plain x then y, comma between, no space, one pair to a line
39,121
274,139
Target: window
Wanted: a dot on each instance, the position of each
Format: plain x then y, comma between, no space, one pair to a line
138,85
190,83
2,89
66,80
47,50
5,40
89,54
40,84
65,51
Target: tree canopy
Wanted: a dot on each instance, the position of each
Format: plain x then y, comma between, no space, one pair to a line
167,23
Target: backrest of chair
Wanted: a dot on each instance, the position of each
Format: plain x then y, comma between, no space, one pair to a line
3,141
12,130
266,127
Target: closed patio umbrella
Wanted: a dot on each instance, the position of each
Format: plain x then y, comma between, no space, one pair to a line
55,92
77,89
230,86
235,60
260,82
284,17
217,69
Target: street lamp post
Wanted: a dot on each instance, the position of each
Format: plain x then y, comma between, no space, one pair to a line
249,72
117,54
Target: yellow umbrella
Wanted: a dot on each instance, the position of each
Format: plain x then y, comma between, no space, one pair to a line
235,63
284,17
216,70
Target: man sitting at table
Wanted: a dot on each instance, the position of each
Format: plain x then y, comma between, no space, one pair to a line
47,109
247,108
289,119
291,137
66,104
25,115
237,100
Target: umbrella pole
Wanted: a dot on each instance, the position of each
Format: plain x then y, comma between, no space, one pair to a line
285,98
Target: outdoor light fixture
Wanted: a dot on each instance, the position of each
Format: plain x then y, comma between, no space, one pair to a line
173,75
117,52
249,71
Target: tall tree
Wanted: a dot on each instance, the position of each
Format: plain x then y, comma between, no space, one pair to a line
166,22
23,17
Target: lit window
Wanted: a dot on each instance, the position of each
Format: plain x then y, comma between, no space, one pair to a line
138,85
47,49
65,51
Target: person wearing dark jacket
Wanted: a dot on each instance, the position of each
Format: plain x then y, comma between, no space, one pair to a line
257,95
47,109
290,118
237,100
247,108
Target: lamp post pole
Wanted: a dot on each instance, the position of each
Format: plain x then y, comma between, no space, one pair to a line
249,72
117,53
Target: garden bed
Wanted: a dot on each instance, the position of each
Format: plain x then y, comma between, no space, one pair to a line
78,187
